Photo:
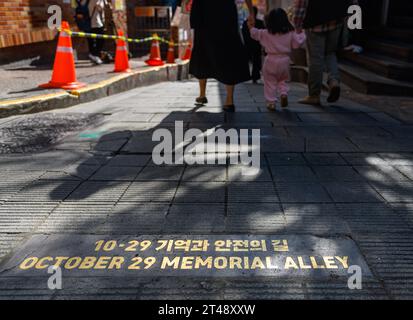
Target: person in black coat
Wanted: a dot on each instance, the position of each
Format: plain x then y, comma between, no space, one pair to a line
254,47
218,51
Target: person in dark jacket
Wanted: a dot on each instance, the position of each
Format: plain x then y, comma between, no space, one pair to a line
218,51
253,47
323,21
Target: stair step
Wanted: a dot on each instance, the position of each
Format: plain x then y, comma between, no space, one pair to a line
401,22
382,65
367,82
395,34
394,49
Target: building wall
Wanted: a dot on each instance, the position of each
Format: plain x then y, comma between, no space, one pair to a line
24,33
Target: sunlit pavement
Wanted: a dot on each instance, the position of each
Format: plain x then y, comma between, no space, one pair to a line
342,172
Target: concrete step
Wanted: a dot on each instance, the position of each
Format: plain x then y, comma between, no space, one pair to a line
367,82
401,22
395,49
395,34
382,65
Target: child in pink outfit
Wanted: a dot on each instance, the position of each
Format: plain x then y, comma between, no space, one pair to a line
278,40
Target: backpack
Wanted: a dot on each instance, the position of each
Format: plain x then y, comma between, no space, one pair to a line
82,16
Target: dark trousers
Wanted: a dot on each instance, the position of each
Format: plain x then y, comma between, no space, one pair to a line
256,60
96,45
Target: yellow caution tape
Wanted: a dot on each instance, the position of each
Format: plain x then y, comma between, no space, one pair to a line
113,37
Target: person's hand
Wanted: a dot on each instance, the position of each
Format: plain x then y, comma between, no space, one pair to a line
250,24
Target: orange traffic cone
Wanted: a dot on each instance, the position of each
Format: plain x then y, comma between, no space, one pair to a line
64,72
171,53
121,58
155,57
188,52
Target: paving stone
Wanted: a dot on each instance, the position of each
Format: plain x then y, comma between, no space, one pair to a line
255,218
315,132
45,190
380,173
76,217
406,171
252,192
330,145
314,218
283,145
19,217
352,192
363,159
339,119
205,173
400,289
378,144
398,159
107,173
150,191
383,118
167,173
74,172
324,159
239,173
129,161
389,254
195,218
336,173
399,191
200,192
135,218
405,210
371,218
302,192
292,174
8,242
97,191
284,159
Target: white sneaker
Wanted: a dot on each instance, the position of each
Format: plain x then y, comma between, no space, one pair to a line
95,59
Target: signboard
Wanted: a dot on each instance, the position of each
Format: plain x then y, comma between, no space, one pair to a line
175,255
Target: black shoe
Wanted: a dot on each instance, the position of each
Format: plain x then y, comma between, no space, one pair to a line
201,100
230,108
335,92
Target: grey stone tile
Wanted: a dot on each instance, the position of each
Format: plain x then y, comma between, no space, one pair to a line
205,173
406,170
167,173
45,190
380,173
330,145
336,173
116,174
398,159
197,218
324,159
21,217
76,217
352,192
302,192
405,210
255,218
129,161
239,173
372,218
150,191
285,159
99,191
283,145
314,218
74,172
399,191
252,192
8,242
341,119
292,174
200,192
363,158
377,144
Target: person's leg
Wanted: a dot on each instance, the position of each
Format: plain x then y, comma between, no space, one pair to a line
230,95
202,99
100,42
270,84
316,45
332,64
256,66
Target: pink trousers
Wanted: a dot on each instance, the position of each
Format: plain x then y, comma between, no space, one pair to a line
276,72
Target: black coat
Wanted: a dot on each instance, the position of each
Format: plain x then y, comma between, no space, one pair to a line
218,51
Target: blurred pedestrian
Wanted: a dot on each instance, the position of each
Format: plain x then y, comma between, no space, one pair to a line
323,21
254,47
98,22
279,39
218,49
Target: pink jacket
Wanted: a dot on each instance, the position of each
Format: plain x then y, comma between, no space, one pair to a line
278,44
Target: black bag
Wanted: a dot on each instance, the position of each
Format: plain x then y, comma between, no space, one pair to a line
82,16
